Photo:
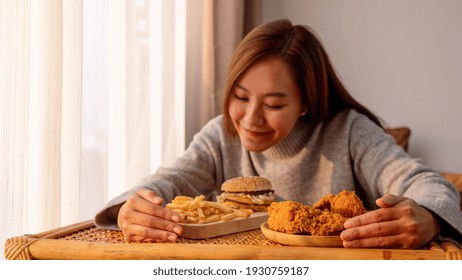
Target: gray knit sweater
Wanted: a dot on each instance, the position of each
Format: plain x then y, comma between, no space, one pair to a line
348,152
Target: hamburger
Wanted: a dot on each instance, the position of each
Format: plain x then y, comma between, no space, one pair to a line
255,193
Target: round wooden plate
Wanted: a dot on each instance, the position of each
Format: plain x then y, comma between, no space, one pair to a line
301,240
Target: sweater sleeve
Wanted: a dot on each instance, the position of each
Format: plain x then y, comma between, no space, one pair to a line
194,173
381,167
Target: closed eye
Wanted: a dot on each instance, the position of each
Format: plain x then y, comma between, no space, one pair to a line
274,107
240,97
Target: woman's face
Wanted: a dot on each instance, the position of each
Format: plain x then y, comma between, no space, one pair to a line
265,104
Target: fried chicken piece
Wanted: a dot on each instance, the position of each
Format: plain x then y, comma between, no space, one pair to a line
326,217
290,216
324,202
327,223
346,203
294,217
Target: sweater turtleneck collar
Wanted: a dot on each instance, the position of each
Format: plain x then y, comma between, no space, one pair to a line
292,143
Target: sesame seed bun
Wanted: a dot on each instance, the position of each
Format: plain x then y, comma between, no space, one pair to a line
246,184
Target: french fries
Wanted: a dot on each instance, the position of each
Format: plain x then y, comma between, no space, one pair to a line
197,210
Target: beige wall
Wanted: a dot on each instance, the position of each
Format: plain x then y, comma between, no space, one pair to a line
402,59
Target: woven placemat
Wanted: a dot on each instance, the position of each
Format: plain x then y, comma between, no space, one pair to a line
95,234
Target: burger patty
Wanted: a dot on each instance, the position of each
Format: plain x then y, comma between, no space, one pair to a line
254,207
252,192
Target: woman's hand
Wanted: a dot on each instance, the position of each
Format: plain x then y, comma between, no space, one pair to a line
142,217
400,223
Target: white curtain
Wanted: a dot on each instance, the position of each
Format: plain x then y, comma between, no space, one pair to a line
93,98
224,23
14,93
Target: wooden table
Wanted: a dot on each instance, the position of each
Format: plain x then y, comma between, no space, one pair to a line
85,241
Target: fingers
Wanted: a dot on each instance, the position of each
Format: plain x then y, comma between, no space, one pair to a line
375,216
150,196
380,234
141,233
148,202
142,217
386,212
379,228
374,242
151,220
389,200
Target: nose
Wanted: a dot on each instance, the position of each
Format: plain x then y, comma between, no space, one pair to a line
254,116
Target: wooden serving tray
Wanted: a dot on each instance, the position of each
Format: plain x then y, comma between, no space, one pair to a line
202,231
85,241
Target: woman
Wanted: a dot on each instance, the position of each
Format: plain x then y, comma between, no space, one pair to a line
288,118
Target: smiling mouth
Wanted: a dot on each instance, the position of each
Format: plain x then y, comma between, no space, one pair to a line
255,133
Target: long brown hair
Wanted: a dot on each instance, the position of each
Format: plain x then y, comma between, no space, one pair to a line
322,93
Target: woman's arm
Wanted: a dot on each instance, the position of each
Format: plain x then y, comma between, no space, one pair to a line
194,173
420,196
